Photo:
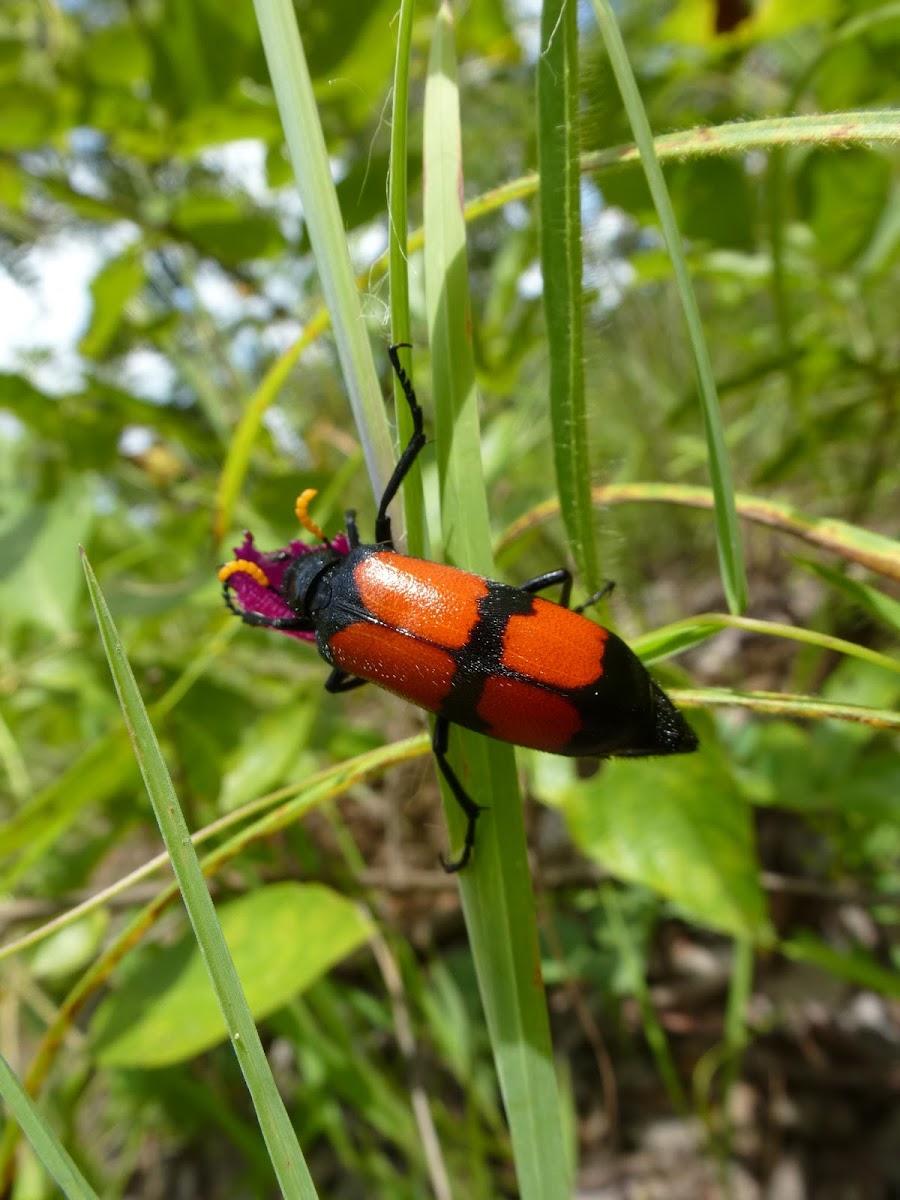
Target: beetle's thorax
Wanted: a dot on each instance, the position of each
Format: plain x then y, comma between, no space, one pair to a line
306,589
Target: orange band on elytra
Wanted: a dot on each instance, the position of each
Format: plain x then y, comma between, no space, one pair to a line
249,568
303,503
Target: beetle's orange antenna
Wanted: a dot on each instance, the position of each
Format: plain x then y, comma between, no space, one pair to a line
303,503
249,568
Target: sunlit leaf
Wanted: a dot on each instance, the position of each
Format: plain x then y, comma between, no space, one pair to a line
282,938
679,826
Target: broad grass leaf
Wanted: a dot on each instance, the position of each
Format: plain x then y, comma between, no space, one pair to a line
679,826
282,938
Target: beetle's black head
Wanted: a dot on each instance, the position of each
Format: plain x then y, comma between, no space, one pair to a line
304,586
275,590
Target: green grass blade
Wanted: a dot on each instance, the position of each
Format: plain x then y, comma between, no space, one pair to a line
740,992
47,1145
398,236
728,536
312,171
496,887
287,1158
636,982
692,631
871,550
786,704
561,268
878,603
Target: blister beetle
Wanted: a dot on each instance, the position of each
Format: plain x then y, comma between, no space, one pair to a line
496,659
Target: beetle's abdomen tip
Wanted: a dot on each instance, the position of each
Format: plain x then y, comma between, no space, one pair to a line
672,733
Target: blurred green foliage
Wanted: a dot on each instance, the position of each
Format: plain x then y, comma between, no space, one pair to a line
145,138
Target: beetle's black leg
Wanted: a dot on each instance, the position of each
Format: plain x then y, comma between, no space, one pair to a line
439,744
550,579
565,578
264,622
340,681
352,531
407,458
605,591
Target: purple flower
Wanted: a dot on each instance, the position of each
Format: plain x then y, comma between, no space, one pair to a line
258,589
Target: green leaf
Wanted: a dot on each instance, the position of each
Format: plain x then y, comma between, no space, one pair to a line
112,287
777,767
263,755
869,795
12,185
679,826
71,948
354,69
218,124
856,966
29,114
694,21
45,583
873,600
779,20
118,56
282,938
714,202
843,197
227,228
103,768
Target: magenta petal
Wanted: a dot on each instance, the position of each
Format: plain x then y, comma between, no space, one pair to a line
253,597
